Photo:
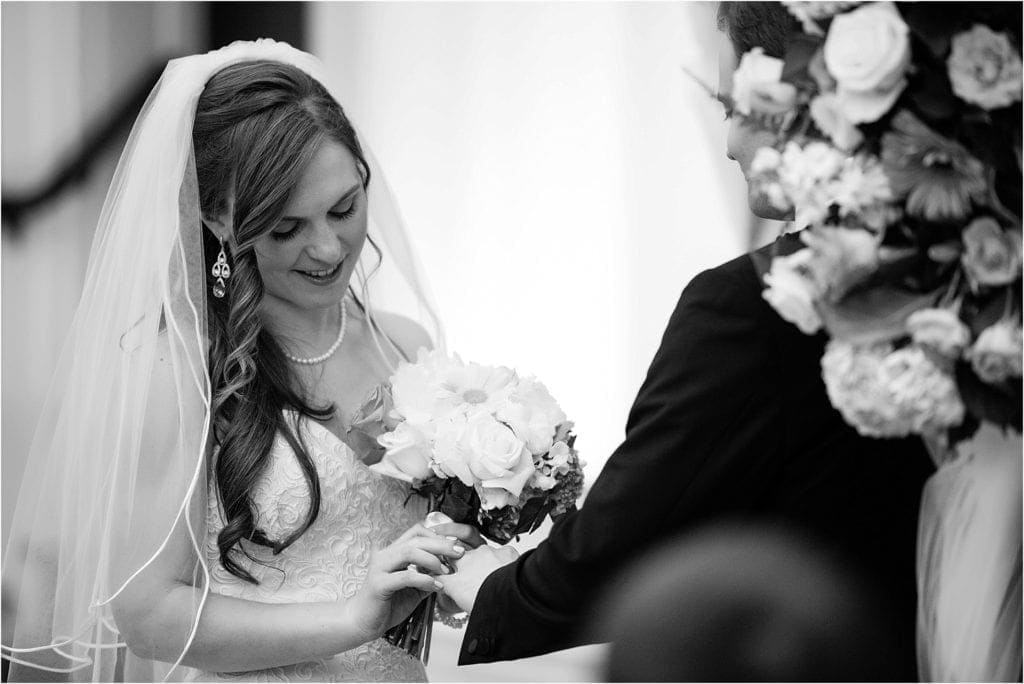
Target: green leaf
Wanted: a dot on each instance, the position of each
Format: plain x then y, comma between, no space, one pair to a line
532,514
877,314
982,311
929,24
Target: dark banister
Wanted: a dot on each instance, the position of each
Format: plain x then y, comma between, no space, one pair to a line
110,129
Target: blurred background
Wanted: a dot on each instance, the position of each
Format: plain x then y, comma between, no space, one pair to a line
562,177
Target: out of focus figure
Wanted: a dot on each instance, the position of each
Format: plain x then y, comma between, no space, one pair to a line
743,603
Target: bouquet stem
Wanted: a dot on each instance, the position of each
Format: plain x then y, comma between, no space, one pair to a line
414,632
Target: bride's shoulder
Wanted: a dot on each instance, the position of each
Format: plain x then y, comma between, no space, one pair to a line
407,334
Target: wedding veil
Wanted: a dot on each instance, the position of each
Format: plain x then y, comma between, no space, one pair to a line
102,493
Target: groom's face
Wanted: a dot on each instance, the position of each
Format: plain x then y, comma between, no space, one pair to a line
744,139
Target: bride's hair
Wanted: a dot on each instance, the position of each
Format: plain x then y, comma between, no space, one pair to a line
257,126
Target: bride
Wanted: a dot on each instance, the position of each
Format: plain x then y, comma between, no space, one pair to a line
191,509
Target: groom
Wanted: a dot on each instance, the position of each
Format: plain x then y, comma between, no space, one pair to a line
731,421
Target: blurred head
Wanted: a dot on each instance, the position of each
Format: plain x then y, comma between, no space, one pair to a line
739,603
742,26
282,182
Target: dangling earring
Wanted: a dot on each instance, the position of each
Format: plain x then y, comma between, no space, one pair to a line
221,271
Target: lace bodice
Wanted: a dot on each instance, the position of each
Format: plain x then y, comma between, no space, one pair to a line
359,510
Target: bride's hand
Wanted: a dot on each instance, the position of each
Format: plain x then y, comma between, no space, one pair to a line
470,538
399,577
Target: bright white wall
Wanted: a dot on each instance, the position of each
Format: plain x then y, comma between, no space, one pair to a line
562,177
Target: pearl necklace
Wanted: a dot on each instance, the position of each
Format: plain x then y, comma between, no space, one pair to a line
334,347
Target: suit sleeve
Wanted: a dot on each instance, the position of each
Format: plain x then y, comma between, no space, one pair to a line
697,444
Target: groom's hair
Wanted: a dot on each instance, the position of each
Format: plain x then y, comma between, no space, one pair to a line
753,24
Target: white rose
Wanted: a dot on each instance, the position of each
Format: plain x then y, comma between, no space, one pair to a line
406,455
533,414
494,497
867,51
984,68
451,458
481,451
997,353
939,329
828,116
791,293
992,256
755,69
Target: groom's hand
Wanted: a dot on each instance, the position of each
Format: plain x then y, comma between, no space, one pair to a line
471,571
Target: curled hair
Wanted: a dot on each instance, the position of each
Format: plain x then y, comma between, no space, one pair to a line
257,126
753,24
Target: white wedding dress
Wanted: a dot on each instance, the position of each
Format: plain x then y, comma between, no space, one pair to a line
360,510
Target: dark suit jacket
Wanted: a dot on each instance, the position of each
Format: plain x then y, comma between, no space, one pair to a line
732,420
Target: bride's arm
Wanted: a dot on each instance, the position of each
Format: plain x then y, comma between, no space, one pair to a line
156,612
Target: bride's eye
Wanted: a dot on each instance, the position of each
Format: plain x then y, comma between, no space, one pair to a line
344,213
286,231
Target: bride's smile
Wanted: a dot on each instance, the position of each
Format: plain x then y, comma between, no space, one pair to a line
307,259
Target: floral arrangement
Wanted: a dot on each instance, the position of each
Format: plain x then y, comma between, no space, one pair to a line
898,148
484,445
488,447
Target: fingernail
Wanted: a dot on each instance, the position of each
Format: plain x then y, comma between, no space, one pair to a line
438,584
452,539
458,549
445,570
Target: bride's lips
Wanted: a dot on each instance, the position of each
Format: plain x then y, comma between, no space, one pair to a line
324,276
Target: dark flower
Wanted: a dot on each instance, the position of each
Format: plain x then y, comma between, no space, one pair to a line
938,177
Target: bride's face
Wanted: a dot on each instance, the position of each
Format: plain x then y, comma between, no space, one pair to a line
307,259
744,139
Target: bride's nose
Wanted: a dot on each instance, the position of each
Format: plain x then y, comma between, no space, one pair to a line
326,246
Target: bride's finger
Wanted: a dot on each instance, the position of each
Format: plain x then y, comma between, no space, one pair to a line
424,560
467,534
398,556
417,530
409,579
448,547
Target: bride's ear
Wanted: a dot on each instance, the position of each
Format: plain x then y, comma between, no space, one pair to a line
220,226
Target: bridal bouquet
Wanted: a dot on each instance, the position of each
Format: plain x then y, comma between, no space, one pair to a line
898,147
484,445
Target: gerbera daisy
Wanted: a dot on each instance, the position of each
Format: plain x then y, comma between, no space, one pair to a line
938,177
